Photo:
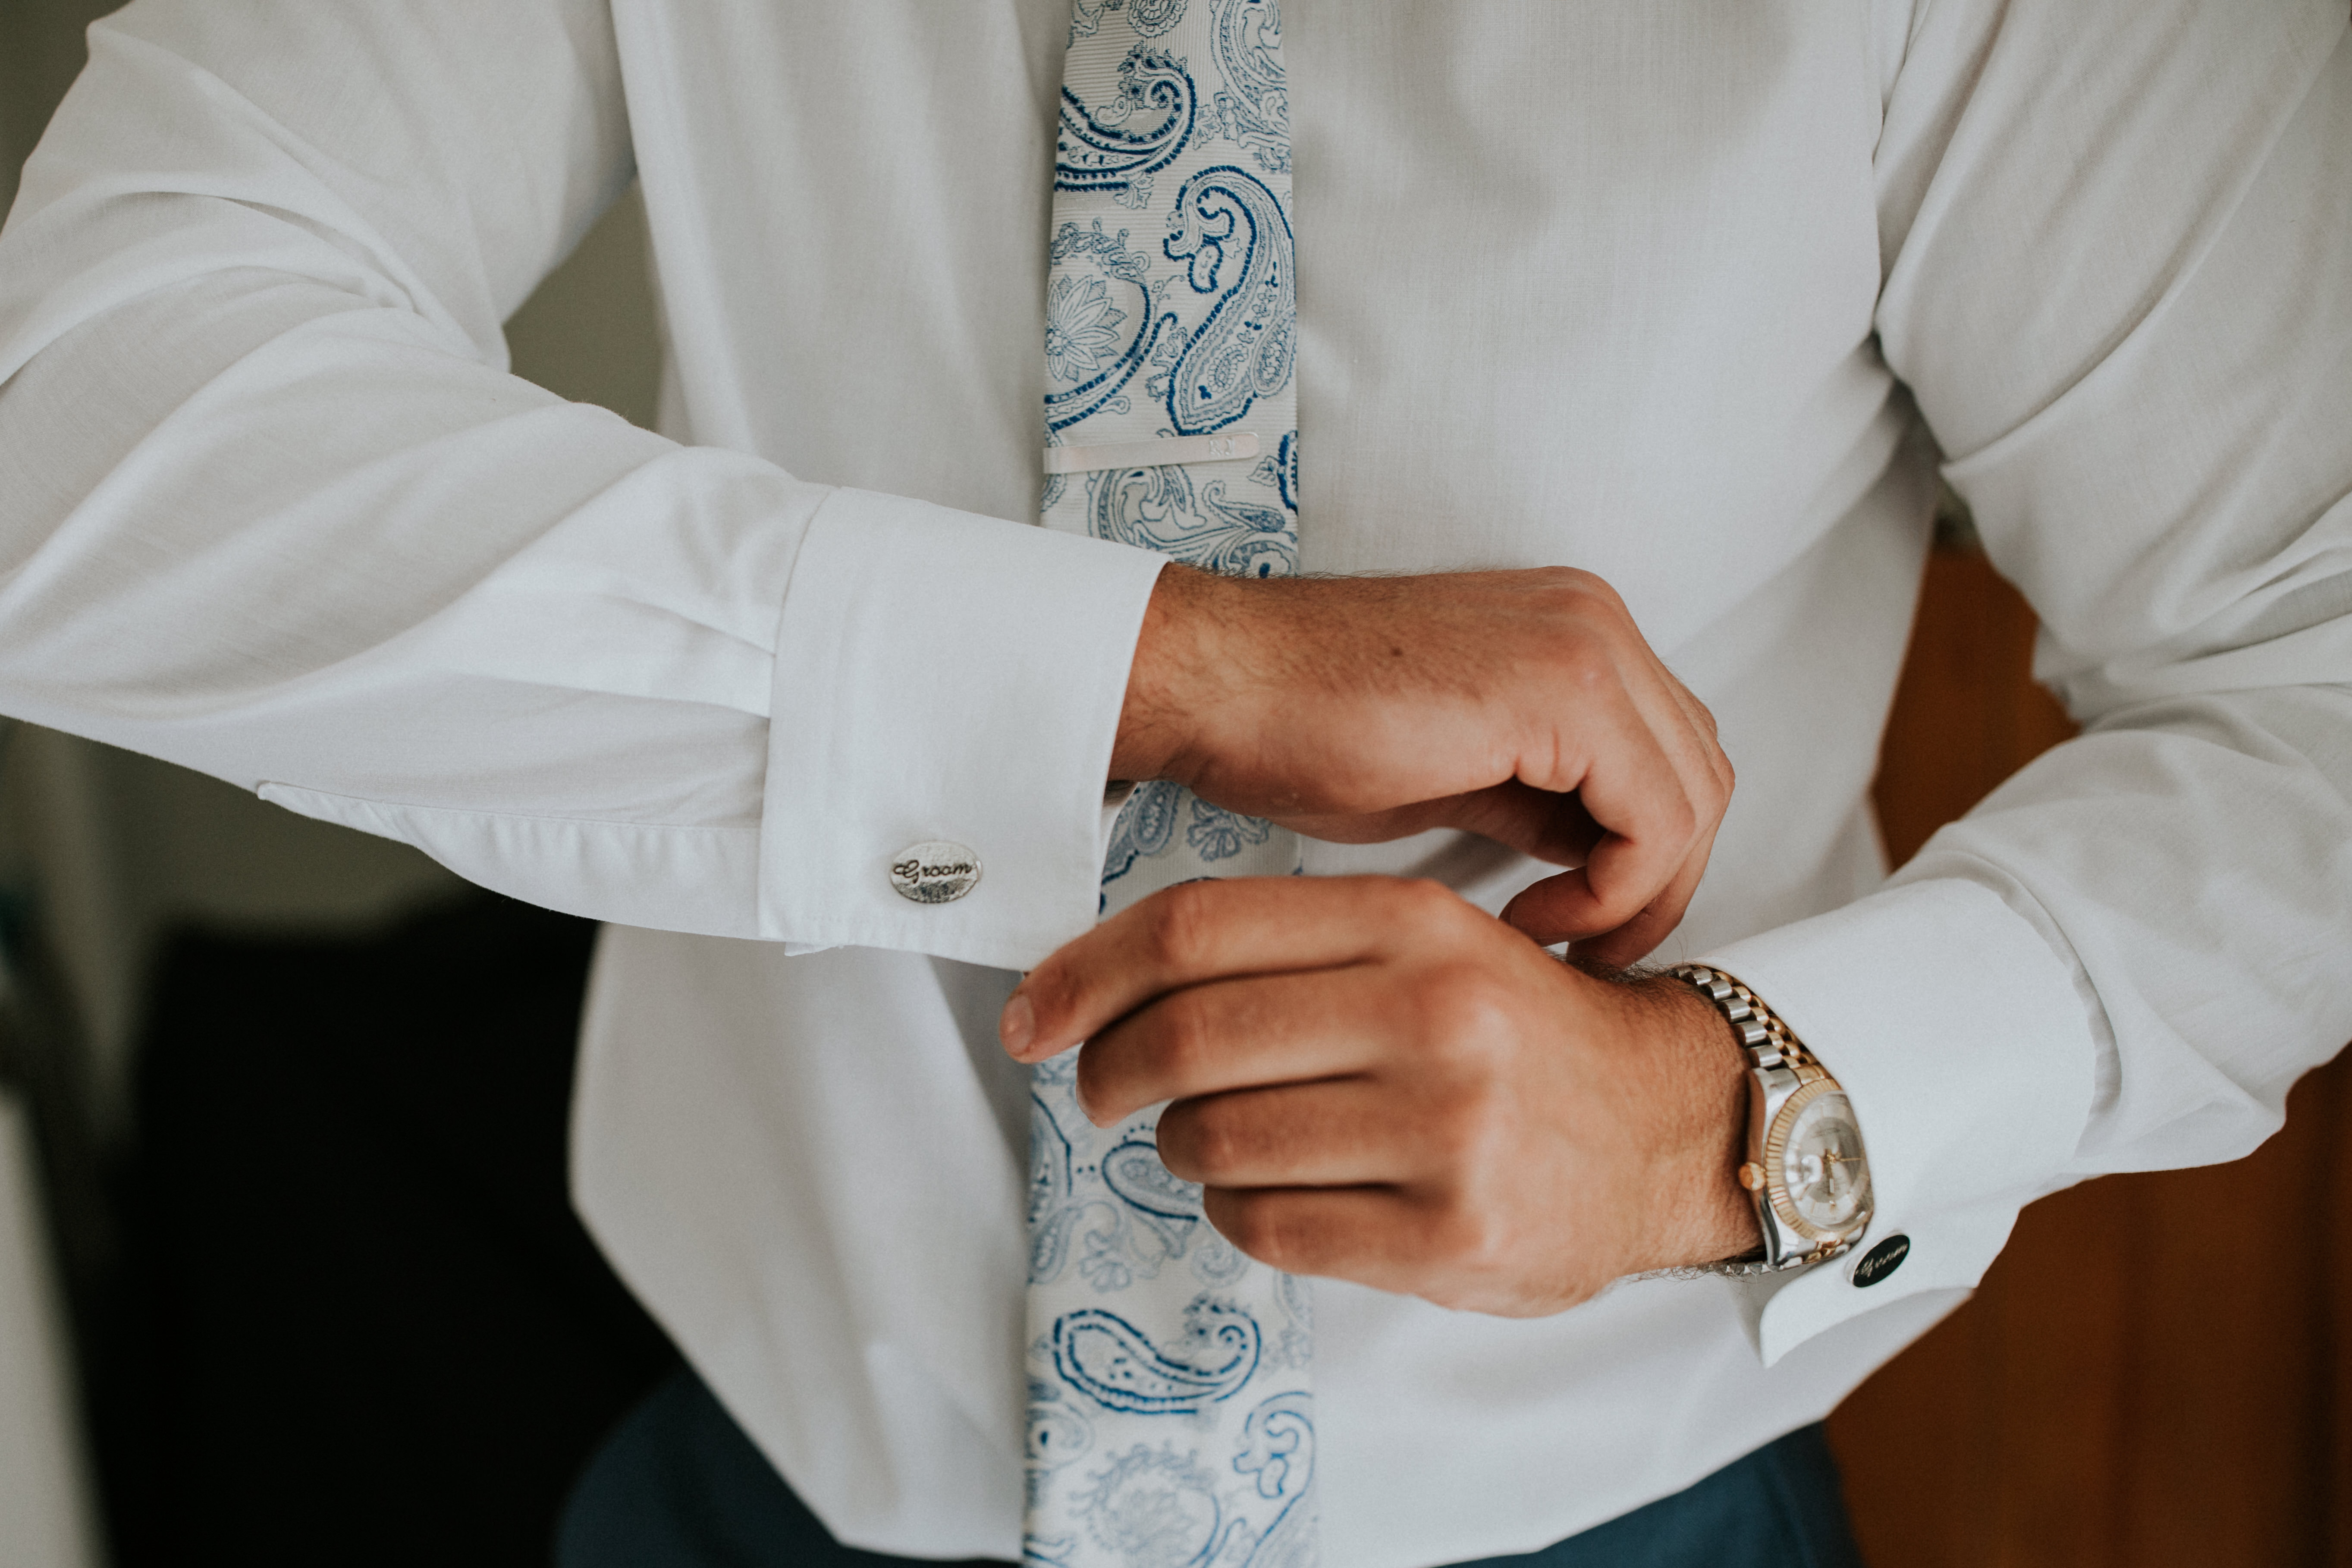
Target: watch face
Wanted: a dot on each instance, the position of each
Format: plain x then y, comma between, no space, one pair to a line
1823,1186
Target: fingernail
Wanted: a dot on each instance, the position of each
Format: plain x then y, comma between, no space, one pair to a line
1018,1027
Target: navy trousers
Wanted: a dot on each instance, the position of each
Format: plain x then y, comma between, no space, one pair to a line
679,1485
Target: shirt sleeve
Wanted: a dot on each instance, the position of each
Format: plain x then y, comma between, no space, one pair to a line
2114,240
272,508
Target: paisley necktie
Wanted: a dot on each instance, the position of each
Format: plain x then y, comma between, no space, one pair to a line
1170,1419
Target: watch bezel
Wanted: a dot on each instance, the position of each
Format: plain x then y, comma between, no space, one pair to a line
1773,1159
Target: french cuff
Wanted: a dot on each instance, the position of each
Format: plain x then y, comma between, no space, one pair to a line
950,683
1960,1039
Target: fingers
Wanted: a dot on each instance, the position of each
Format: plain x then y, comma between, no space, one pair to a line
1561,909
1537,911
1659,798
1212,931
1391,1238
1544,823
1547,824
1337,1133
1708,779
1230,1035
1363,1234
1633,941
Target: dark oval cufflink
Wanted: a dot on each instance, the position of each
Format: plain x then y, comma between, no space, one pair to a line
1879,1261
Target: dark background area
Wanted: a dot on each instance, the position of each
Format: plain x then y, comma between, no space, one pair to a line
299,1101
355,1307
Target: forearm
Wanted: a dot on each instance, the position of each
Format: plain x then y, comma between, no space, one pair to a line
252,529
272,509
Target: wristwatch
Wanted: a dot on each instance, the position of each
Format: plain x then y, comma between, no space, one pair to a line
1805,1164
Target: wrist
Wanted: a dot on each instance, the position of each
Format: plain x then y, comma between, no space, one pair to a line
1805,1164
1173,681
1703,1214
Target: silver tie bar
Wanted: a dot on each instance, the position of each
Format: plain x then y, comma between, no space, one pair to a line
1151,454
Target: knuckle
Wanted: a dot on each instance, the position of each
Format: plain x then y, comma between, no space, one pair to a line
1573,580
1719,776
1185,1038
1418,900
1465,1132
1051,990
1213,1145
1583,659
1586,593
1256,1227
1465,1016
1469,1238
1177,932
1179,1138
1707,721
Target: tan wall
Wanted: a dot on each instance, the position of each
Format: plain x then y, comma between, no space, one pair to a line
2158,1372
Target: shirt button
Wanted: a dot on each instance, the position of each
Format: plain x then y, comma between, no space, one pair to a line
936,872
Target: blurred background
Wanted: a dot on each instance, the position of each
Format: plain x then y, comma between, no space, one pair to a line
285,1251
285,1254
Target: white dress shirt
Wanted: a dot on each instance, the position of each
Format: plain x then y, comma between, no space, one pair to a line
1694,297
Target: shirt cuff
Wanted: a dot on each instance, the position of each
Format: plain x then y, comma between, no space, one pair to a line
1960,1038
944,677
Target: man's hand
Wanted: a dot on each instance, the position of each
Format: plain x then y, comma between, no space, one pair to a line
1524,706
1377,1081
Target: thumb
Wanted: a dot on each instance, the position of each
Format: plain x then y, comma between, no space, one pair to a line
1548,825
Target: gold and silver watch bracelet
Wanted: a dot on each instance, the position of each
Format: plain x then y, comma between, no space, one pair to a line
1769,1042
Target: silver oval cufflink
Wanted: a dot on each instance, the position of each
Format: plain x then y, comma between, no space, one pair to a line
934,872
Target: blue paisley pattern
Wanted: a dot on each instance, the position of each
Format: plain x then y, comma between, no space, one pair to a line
1149,18
1138,132
1146,826
1133,1172
1217,833
1253,108
1171,1408
1281,470
1106,1358
1124,275
1236,237
1161,509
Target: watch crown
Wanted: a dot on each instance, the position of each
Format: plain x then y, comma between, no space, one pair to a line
1751,1176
